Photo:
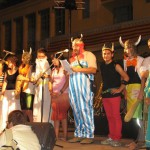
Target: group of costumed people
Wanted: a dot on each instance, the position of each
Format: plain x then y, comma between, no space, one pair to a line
15,87
23,89
134,84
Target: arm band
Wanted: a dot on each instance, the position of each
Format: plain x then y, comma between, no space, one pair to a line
124,82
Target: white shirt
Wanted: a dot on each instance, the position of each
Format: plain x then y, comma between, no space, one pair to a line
146,64
24,136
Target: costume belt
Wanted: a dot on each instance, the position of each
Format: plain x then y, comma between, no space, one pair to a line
42,83
108,90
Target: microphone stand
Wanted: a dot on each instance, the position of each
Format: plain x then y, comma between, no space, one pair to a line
5,56
42,77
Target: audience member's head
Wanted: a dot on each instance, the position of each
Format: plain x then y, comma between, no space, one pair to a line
16,117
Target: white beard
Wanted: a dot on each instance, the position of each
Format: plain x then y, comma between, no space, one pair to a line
42,65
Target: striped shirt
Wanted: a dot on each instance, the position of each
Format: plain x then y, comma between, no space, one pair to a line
1,80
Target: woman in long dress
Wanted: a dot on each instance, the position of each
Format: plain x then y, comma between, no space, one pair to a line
9,102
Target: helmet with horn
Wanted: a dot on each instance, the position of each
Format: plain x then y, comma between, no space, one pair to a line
107,47
130,44
78,42
26,56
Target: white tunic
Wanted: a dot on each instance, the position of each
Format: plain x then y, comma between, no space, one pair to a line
42,93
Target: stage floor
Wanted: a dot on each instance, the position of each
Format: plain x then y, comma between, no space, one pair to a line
95,146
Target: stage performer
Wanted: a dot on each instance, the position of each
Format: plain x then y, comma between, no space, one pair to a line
145,72
135,88
58,87
9,101
25,85
2,75
114,80
84,66
42,99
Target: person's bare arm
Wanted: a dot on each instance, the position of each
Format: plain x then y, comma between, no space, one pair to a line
124,78
90,70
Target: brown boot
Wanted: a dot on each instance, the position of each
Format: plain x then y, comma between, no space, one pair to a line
75,140
87,141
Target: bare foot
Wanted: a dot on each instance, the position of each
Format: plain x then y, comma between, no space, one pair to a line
132,146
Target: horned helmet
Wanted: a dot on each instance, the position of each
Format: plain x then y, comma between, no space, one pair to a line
26,56
130,44
106,47
79,42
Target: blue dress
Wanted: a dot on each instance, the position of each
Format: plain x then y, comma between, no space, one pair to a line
147,94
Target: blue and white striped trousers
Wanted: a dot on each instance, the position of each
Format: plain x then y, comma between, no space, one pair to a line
81,101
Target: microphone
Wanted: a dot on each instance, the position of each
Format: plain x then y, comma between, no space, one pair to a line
8,52
64,51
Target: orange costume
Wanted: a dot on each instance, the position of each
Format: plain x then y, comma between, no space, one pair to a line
23,71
